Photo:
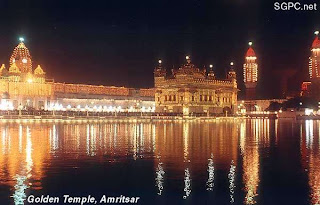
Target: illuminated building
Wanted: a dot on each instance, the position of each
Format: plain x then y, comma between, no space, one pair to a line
250,73
22,87
305,88
190,90
314,66
314,60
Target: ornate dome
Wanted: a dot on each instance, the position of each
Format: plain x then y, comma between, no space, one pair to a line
14,69
2,68
39,71
316,43
22,58
250,52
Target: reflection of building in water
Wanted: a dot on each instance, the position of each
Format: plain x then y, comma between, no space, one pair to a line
159,178
183,144
187,183
251,136
22,85
210,181
231,177
180,142
191,90
24,150
310,156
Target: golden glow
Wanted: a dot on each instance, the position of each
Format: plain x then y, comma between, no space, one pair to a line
250,151
29,148
310,156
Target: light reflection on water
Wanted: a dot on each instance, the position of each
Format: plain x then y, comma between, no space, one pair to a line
310,152
185,155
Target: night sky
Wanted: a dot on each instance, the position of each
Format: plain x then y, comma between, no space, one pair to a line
119,42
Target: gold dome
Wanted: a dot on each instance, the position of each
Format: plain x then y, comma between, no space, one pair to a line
22,58
14,68
2,68
39,71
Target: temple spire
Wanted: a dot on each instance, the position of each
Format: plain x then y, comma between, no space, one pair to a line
188,59
211,73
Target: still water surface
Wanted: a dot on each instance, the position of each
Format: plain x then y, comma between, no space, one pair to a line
221,162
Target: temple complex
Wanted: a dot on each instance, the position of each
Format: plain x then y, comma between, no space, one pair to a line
24,87
191,90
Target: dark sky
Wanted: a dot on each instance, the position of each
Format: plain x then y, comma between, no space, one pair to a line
119,42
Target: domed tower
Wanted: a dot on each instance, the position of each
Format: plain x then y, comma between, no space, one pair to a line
159,73
314,60
21,57
250,73
211,75
39,74
232,73
314,66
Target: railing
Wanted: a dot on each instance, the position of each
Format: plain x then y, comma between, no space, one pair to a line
25,113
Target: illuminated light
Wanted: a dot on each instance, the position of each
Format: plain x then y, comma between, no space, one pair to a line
300,103
187,57
160,61
231,63
29,80
316,32
24,60
211,66
308,111
21,39
250,43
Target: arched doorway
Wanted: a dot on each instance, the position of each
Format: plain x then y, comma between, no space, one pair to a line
227,111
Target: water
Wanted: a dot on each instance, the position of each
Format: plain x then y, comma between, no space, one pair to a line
233,161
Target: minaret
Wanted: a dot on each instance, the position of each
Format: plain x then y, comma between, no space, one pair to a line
232,73
314,66
211,73
159,73
250,73
314,60
233,77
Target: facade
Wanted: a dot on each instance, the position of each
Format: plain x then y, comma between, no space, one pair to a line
22,87
250,73
191,90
